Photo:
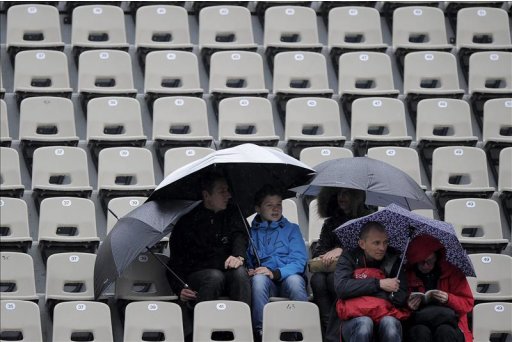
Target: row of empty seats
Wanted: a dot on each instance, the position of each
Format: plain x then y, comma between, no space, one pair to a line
427,74
183,121
161,321
285,27
258,8
63,171
69,279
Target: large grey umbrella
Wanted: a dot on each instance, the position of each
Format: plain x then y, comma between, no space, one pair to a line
132,234
384,184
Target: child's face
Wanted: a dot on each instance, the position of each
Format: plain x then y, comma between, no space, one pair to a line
271,208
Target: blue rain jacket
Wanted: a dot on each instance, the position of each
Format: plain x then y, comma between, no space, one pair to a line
280,246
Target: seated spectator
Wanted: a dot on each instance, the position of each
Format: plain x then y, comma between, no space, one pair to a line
337,205
442,315
369,291
278,269
208,249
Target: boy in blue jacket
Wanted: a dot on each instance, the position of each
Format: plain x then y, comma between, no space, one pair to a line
282,254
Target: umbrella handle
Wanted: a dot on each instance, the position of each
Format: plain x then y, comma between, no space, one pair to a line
177,277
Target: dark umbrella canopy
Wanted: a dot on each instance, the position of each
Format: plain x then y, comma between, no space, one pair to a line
246,167
384,184
397,221
143,227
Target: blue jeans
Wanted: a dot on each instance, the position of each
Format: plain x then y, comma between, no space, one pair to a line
293,287
360,329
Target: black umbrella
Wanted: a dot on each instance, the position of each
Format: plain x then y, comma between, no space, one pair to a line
133,233
384,184
246,167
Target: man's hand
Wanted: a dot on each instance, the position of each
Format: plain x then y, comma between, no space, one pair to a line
389,284
250,272
265,271
232,262
187,294
440,296
414,302
329,257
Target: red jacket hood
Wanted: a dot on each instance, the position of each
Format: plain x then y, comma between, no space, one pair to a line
421,247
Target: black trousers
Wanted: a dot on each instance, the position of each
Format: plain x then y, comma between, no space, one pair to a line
443,333
333,329
211,284
322,284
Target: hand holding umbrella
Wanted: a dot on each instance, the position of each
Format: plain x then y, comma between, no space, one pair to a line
187,294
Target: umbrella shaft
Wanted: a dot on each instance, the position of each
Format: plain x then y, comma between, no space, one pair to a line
185,285
251,242
402,262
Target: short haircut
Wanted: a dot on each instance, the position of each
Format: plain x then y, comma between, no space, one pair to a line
266,190
369,226
209,179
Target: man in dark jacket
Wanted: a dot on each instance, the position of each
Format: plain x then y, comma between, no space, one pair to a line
369,292
208,249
